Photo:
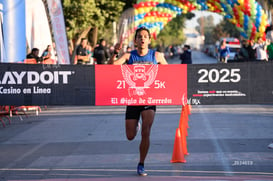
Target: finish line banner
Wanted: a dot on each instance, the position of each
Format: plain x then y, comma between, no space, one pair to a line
206,84
39,84
141,84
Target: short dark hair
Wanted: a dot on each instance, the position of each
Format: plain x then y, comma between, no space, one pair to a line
269,28
101,40
83,39
140,29
187,46
34,50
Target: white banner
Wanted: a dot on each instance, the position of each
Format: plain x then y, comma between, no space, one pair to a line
37,26
57,19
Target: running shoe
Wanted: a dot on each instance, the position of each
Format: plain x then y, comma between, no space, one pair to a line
141,171
270,146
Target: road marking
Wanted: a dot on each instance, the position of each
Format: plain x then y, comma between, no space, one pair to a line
133,170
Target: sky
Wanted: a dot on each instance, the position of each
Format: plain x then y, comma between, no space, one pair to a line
193,22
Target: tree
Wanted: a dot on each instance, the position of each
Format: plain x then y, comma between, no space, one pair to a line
83,15
172,33
225,29
206,25
128,4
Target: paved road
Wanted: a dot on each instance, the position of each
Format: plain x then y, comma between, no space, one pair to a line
197,58
227,142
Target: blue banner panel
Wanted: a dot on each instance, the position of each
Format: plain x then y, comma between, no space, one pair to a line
40,84
236,83
14,31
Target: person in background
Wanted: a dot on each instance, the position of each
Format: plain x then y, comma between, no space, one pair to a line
260,46
81,52
269,37
34,54
128,49
89,50
223,51
47,53
160,48
243,52
185,57
101,53
270,51
251,51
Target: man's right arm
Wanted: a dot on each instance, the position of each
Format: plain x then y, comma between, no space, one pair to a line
120,60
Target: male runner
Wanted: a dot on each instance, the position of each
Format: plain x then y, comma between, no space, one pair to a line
142,55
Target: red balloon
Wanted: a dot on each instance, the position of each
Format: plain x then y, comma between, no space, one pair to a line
141,4
148,4
154,35
154,3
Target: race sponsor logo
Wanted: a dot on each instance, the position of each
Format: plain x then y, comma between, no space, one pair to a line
139,78
34,77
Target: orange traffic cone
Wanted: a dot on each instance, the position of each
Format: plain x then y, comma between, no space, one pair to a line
178,155
183,126
183,123
188,109
184,142
182,117
186,121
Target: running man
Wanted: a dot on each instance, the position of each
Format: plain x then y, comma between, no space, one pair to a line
142,55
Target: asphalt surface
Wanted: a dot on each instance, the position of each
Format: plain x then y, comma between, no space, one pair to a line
225,142
88,143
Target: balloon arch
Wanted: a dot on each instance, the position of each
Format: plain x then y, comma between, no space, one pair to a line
248,16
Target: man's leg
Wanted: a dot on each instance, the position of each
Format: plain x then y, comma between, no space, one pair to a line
130,126
147,121
131,121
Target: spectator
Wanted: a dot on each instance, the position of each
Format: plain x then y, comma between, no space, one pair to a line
173,50
270,51
129,49
223,51
170,53
81,52
160,48
251,51
185,57
34,55
101,53
260,46
90,53
47,52
269,36
243,53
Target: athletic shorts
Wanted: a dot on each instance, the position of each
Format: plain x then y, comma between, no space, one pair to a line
133,112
